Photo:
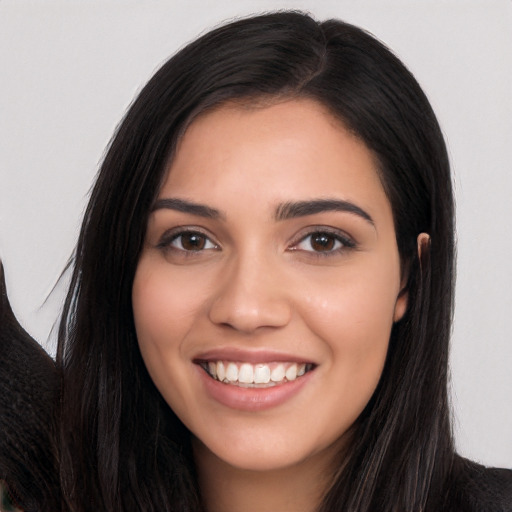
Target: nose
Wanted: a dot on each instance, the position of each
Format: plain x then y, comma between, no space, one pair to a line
251,296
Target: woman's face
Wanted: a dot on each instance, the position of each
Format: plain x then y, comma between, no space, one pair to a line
268,284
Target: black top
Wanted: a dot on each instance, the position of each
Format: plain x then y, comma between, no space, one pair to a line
29,394
476,488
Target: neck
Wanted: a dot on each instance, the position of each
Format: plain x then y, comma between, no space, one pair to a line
225,488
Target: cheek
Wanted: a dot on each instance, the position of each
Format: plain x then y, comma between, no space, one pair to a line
164,311
165,307
164,304
354,306
353,315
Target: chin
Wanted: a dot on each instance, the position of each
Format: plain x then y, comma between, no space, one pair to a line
264,453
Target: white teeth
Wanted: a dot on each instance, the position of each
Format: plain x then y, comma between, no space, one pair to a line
212,368
278,373
232,372
261,374
246,373
291,372
257,375
221,371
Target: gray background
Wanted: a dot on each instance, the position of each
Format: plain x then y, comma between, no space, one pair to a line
69,69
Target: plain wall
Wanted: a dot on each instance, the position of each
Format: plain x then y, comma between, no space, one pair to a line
69,69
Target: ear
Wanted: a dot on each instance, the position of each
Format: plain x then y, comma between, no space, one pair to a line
423,242
401,301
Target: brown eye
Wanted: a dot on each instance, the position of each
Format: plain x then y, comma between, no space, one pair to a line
191,241
325,242
322,242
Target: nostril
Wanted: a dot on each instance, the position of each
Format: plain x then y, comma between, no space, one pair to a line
245,318
250,296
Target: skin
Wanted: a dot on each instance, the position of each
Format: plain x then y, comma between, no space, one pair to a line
261,284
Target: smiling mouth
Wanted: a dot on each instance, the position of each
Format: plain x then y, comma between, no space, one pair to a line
261,375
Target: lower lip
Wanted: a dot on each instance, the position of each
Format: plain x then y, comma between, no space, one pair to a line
252,399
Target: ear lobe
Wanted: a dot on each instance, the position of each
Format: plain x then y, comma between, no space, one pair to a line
401,304
423,242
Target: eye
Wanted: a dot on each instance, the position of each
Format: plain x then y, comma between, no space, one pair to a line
187,241
324,242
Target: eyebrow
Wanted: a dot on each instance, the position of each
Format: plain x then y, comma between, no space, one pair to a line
181,205
285,211
292,210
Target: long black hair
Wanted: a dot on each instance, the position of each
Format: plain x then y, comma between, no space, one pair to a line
122,446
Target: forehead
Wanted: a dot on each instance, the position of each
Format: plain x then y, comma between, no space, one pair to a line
289,150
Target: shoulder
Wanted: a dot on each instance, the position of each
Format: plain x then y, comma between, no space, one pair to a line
29,401
476,488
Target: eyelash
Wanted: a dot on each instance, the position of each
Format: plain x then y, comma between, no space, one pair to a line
341,242
167,241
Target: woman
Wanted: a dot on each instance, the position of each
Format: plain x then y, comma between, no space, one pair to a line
262,292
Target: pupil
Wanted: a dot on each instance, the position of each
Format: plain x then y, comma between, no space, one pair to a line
193,242
322,242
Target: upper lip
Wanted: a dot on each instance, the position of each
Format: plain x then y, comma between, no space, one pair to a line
249,356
